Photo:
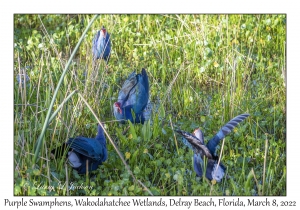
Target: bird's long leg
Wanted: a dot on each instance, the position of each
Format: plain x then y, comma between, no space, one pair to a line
87,167
67,179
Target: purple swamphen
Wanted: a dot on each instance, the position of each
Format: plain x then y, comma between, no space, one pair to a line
85,153
133,97
22,77
101,45
213,171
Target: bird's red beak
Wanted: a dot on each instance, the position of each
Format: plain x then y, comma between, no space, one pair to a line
118,105
104,31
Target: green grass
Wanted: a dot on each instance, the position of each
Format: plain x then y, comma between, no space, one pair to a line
203,71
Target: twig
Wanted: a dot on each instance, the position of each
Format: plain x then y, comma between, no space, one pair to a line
67,179
259,193
176,144
125,131
113,121
264,171
170,86
141,183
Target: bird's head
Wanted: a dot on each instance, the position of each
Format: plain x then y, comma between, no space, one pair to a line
103,31
117,107
199,134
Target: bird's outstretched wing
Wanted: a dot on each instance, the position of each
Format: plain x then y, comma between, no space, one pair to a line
196,143
226,129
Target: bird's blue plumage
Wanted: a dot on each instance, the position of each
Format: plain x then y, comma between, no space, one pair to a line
101,45
198,164
213,170
226,129
133,97
88,147
83,151
22,78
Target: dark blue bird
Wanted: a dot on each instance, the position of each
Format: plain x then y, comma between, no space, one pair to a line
213,171
133,97
86,153
101,45
22,77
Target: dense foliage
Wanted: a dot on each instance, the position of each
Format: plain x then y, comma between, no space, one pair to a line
203,70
